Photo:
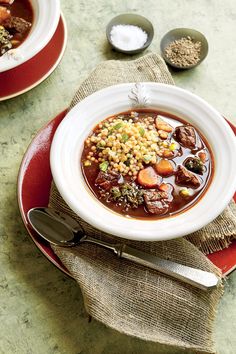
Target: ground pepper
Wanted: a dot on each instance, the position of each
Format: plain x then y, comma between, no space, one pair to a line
183,52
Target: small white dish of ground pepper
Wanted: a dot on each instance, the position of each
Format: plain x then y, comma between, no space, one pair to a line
184,48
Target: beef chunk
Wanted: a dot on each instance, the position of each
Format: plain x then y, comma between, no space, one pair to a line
157,202
16,25
107,180
186,136
185,178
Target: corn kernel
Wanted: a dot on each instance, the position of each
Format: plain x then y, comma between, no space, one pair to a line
184,192
173,146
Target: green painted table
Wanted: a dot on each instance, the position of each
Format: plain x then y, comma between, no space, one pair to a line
41,310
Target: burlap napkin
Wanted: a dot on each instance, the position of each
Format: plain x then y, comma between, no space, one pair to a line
130,298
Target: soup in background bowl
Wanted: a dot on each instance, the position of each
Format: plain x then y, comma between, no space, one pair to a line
16,18
26,27
203,173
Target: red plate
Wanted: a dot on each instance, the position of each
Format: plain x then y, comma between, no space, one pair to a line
24,77
34,183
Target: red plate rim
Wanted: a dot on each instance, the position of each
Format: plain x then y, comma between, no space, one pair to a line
14,71
38,242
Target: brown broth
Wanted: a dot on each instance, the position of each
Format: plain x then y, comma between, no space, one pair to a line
179,204
23,9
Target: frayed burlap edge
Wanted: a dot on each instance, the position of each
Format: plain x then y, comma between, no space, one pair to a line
85,263
217,235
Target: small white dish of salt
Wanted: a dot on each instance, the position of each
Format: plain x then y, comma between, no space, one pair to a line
129,33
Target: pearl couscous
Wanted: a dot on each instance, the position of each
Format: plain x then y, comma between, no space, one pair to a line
127,145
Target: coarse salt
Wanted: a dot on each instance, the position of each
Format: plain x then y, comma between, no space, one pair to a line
128,37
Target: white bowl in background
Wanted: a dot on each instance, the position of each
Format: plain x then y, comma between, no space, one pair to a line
46,18
68,144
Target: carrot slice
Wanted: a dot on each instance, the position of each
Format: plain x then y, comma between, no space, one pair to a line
164,187
148,178
164,168
202,156
4,14
168,153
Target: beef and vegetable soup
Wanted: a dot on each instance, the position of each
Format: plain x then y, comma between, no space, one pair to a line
16,17
146,164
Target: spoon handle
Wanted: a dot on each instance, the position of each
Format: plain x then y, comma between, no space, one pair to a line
195,277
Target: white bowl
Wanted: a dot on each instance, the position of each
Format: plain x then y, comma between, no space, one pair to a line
68,143
46,18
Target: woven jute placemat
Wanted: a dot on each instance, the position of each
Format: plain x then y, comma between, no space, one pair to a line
134,299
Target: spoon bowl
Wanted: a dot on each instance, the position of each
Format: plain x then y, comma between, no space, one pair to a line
57,228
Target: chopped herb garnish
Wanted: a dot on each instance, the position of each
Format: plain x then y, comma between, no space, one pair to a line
124,138
5,40
117,126
142,131
194,164
116,193
132,195
104,166
101,145
128,194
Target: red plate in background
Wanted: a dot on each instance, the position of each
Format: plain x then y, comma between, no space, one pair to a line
26,76
34,183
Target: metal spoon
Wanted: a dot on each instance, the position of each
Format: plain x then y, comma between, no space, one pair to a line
62,230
